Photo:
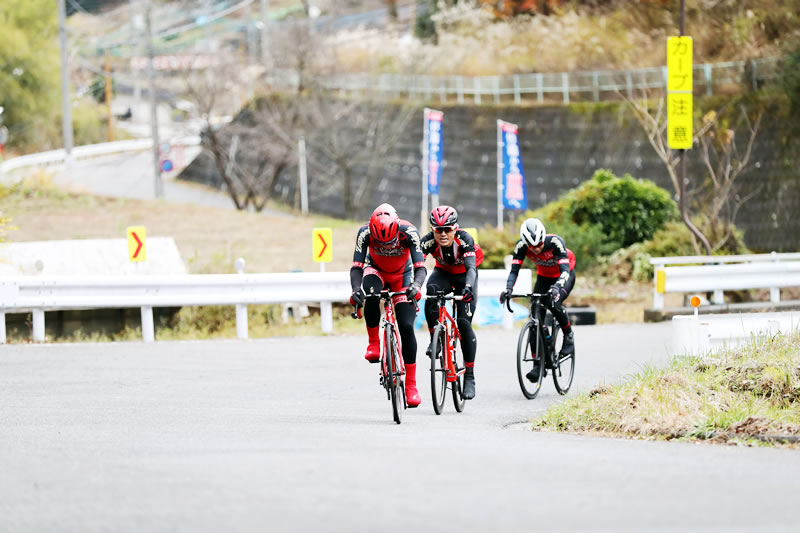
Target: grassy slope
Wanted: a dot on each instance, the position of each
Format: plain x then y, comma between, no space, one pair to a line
751,395
209,240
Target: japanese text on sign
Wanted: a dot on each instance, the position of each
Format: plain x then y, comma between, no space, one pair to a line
514,192
433,133
679,93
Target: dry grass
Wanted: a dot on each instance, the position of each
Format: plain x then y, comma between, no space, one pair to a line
750,395
209,239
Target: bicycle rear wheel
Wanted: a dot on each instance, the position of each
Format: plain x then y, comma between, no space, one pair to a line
438,374
563,366
394,379
527,355
458,384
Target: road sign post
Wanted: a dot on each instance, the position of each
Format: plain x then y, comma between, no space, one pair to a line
322,251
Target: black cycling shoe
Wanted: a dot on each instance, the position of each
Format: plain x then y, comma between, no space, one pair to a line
429,349
469,385
533,375
568,346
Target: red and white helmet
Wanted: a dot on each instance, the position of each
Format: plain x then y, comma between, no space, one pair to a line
383,223
444,215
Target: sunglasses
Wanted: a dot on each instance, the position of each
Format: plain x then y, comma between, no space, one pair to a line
444,229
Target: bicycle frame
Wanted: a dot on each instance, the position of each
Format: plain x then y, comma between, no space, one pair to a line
388,320
451,335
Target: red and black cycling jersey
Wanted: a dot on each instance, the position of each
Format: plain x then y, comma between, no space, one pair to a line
461,256
554,261
392,257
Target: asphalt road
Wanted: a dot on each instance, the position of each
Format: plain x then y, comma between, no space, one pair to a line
131,175
295,434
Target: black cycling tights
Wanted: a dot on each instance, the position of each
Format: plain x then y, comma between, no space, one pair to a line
405,314
543,285
464,311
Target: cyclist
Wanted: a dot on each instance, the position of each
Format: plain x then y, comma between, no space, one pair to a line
457,258
555,272
387,250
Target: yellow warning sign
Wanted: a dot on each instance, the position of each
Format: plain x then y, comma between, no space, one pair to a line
679,120
137,252
322,244
473,232
679,64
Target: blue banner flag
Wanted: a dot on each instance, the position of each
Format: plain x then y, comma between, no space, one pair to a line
515,195
433,134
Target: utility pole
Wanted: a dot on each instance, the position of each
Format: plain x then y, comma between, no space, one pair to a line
108,97
264,33
159,185
66,107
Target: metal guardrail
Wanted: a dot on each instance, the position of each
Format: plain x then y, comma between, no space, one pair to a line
564,86
57,157
728,272
704,334
39,294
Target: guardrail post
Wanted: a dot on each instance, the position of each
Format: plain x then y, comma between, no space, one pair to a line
754,72
595,87
707,72
241,309
476,83
718,297
38,325
565,86
326,316
496,89
517,96
629,83
539,87
241,321
659,280
2,328
460,89
775,292
148,332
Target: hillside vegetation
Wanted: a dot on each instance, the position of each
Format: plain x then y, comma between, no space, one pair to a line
491,37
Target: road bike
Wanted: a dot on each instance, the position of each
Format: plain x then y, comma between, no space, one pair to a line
447,358
539,342
392,369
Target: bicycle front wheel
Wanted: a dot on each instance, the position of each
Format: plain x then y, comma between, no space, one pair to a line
563,367
529,348
394,379
458,384
438,373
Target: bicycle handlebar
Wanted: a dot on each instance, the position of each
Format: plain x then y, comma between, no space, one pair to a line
528,295
449,296
382,294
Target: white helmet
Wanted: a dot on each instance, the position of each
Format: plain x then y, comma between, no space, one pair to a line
532,232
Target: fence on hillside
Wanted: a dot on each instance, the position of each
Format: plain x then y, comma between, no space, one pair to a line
566,87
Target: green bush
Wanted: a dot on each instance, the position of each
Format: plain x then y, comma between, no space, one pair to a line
601,216
625,209
674,239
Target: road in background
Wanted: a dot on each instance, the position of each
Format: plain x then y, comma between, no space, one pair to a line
294,434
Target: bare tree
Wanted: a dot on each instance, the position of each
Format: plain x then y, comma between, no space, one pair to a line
252,151
724,162
351,142
720,156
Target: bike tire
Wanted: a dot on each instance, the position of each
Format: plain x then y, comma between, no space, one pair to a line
393,377
458,385
563,367
526,357
438,374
